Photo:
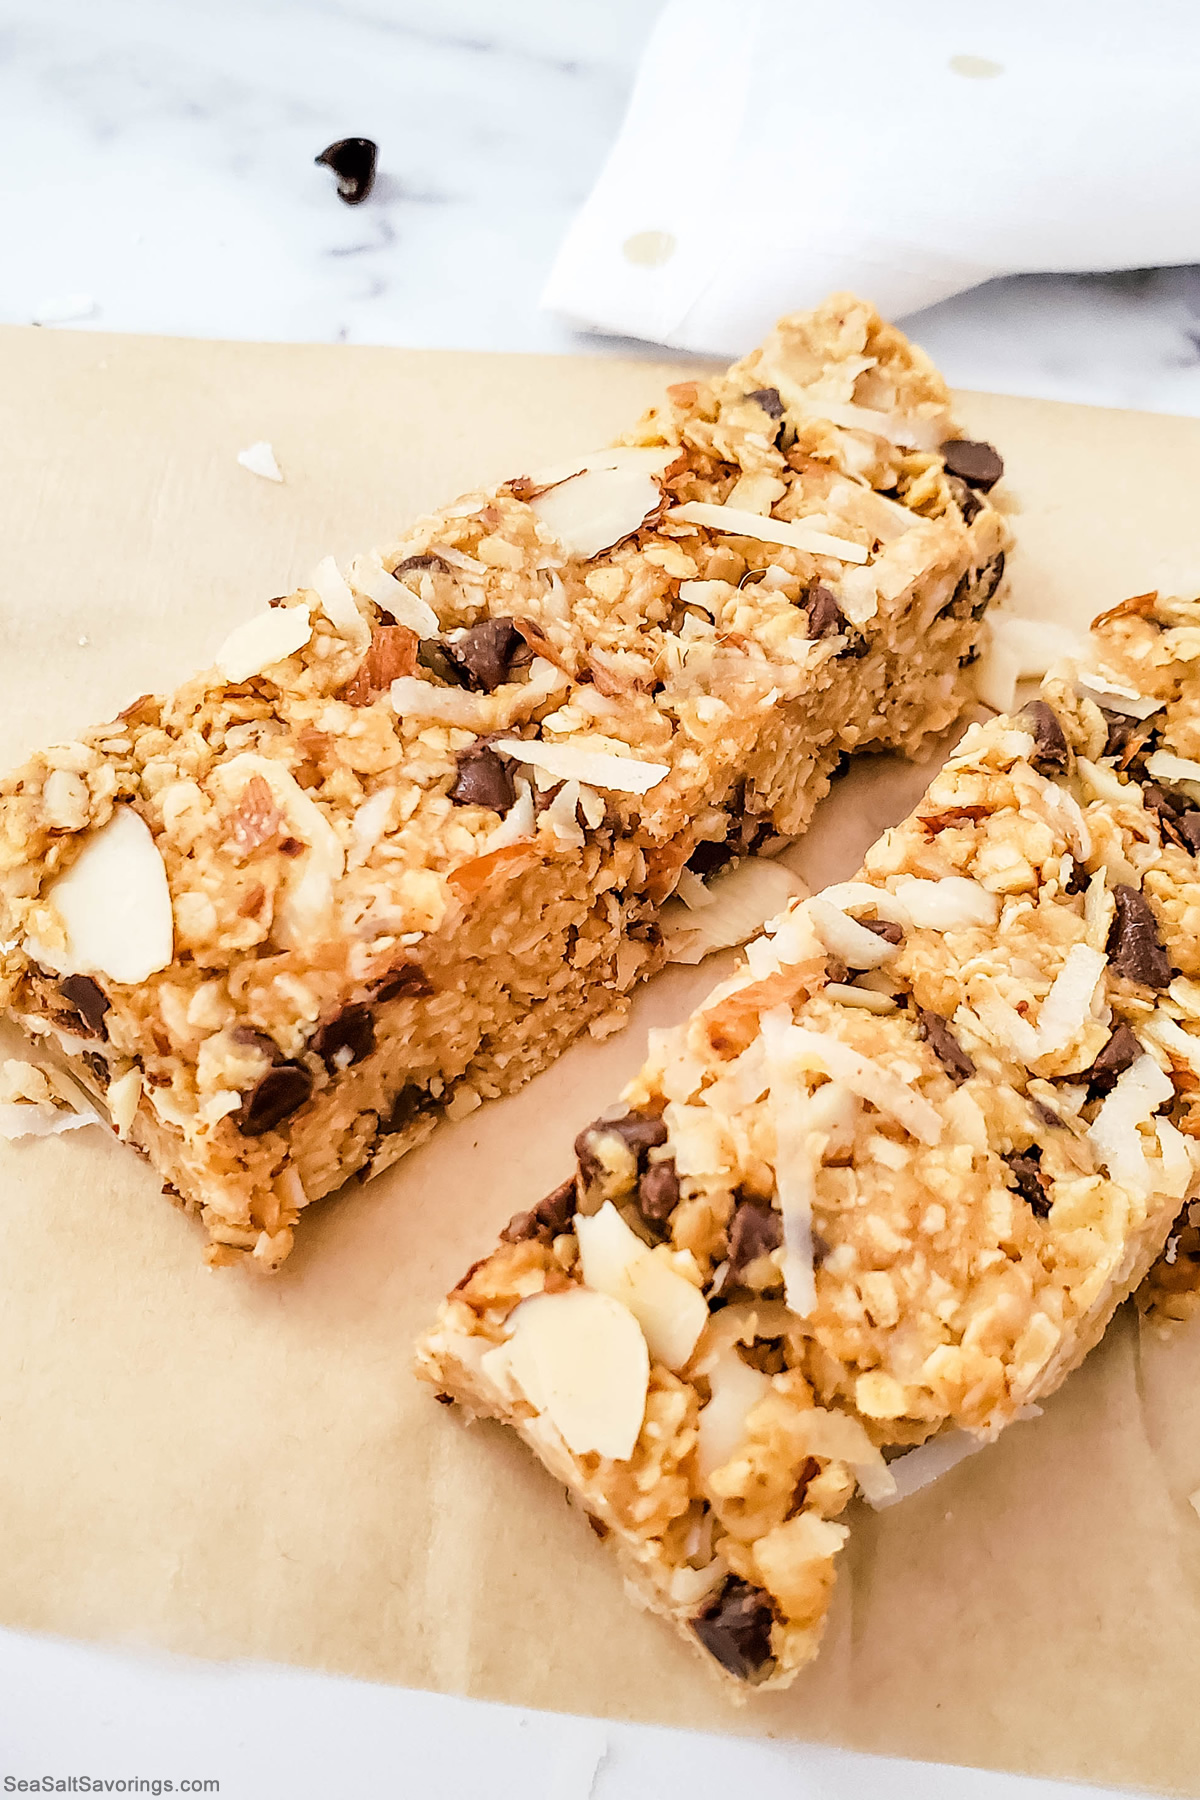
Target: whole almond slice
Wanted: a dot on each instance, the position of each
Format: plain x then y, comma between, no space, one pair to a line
575,762
592,511
338,604
264,640
580,1358
670,1310
646,459
114,904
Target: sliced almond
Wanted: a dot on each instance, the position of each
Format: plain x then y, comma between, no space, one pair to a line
23,1118
269,638
670,1310
594,510
735,907
575,762
735,1387
1115,695
737,523
1035,644
645,459
952,904
1113,1133
580,1358
114,904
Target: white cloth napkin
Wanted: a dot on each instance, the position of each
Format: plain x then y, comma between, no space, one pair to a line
775,150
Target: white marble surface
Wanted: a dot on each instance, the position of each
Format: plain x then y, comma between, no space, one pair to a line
159,177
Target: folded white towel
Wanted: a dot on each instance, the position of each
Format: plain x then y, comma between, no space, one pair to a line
775,150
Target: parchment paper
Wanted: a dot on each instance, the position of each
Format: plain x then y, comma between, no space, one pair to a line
243,1467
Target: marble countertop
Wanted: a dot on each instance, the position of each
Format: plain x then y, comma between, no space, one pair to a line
160,178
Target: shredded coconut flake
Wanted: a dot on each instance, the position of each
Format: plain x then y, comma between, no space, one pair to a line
798,535
260,460
1109,691
337,603
1113,1133
574,762
1068,1005
367,826
844,937
864,1077
23,1118
367,576
412,698
1180,771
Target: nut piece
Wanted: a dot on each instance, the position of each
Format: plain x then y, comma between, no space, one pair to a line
580,1358
671,1312
263,641
114,904
593,511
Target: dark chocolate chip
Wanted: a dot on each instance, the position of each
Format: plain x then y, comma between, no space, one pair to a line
547,1220
1051,753
658,1191
968,503
768,398
638,1132
483,779
89,1000
428,559
274,1097
1134,947
291,847
887,929
975,463
433,655
409,980
1027,1179
736,1628
1188,826
710,855
353,1029
1120,1053
486,653
1178,817
410,1101
754,1230
256,1040
945,1046
97,1065
353,162
1120,729
825,616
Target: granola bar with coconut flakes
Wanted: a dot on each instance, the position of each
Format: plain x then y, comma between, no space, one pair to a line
887,1186
414,829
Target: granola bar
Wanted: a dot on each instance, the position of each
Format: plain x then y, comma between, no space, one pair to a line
414,829
889,1183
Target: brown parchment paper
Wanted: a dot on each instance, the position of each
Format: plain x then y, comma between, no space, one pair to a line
242,1467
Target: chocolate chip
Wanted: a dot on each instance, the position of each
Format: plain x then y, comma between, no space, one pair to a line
433,655
945,1046
486,653
89,1000
710,855
428,559
409,980
887,929
825,616
768,398
548,1219
410,1101
1051,753
1120,729
754,1230
97,1065
635,1130
976,463
353,162
354,1030
1134,947
1028,1179
968,503
483,779
274,1097
658,1191
1178,817
736,1628
1120,1053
